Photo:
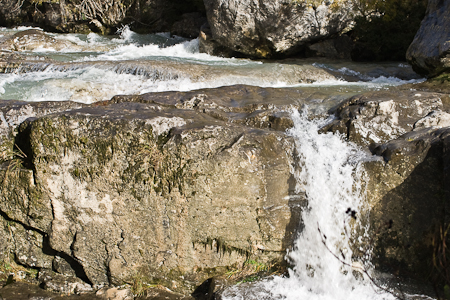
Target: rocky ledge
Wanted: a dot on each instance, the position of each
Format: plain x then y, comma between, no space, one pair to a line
190,190
158,188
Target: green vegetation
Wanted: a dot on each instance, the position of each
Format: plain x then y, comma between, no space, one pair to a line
11,159
9,272
443,78
251,271
257,266
140,284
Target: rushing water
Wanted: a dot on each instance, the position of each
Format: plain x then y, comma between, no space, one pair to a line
89,68
323,263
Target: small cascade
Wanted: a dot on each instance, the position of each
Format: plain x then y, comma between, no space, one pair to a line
322,258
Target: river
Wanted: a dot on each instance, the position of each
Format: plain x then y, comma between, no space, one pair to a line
91,68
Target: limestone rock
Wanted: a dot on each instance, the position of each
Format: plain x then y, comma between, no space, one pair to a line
23,290
378,117
152,188
269,28
13,113
207,44
429,52
437,119
159,293
55,282
32,39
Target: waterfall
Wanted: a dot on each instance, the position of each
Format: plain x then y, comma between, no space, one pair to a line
322,256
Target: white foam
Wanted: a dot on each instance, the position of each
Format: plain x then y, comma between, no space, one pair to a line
125,34
188,50
6,79
92,84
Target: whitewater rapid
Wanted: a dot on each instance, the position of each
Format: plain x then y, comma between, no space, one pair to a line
83,68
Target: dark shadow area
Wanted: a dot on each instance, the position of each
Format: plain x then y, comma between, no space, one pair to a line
386,34
74,264
203,290
22,145
417,210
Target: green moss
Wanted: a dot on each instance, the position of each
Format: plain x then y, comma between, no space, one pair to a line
251,278
10,267
443,78
75,172
257,266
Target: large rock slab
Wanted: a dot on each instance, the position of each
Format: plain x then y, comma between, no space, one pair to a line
160,191
175,188
429,52
269,28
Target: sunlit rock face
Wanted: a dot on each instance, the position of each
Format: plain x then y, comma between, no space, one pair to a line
267,28
158,189
378,117
429,53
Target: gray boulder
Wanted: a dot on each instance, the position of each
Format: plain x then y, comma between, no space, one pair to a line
381,116
268,28
429,52
152,189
